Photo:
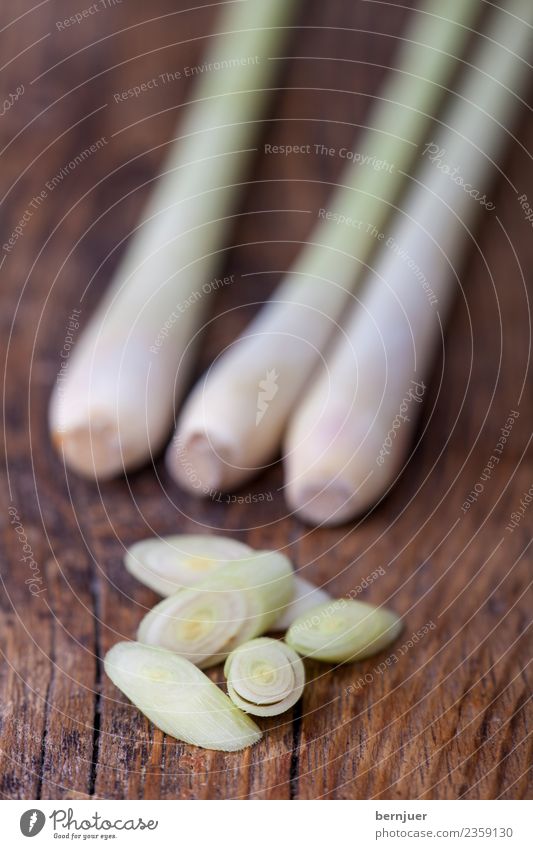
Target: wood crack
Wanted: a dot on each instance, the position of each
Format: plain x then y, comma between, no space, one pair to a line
45,738
294,770
97,682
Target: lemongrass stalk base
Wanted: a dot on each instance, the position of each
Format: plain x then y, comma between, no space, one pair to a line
233,423
349,438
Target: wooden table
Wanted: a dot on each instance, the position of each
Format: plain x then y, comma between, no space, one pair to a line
449,718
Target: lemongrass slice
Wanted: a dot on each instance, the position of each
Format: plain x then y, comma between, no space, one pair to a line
196,624
113,407
233,422
167,564
341,631
348,439
178,698
306,596
237,602
265,677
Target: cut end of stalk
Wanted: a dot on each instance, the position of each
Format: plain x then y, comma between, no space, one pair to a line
200,463
323,502
93,452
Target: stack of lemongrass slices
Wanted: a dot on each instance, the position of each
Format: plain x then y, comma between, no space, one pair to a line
221,597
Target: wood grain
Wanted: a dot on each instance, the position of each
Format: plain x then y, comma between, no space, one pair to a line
450,717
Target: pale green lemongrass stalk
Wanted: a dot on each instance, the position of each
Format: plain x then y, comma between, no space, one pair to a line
265,677
341,631
168,564
233,422
349,438
237,602
114,405
178,698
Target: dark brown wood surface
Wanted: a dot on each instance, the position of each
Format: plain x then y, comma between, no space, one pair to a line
450,718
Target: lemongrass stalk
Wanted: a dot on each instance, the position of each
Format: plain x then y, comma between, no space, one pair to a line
265,677
233,422
114,405
349,438
306,596
167,564
178,698
341,631
234,604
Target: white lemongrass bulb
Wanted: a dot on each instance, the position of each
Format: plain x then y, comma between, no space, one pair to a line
348,439
341,631
237,602
233,422
265,677
113,407
167,564
306,595
178,698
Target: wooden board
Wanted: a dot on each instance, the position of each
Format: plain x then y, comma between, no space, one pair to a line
449,717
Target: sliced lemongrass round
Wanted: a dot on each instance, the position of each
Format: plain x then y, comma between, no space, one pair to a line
341,630
306,596
178,698
264,676
194,624
267,578
167,564
235,603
